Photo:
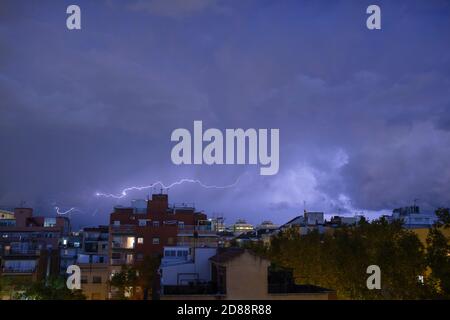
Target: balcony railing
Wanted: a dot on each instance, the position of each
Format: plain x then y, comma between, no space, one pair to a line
22,252
201,230
123,229
18,270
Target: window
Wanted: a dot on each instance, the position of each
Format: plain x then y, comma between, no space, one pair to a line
170,240
117,223
156,223
49,222
140,257
96,279
142,222
130,243
181,224
129,259
140,240
156,240
170,253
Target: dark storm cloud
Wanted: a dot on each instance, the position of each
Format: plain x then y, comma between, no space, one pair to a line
363,116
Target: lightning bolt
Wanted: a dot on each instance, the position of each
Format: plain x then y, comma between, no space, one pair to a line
125,191
65,212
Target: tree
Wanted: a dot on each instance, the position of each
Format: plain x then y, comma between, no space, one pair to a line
147,274
54,288
443,215
438,259
339,259
125,282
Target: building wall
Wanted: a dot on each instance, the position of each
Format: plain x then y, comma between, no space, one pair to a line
422,233
89,275
246,277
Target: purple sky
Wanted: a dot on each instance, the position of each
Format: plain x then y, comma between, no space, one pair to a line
364,116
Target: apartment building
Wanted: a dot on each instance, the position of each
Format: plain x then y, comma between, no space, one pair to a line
93,262
139,230
29,245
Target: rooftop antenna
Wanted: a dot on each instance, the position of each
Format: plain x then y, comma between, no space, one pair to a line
304,206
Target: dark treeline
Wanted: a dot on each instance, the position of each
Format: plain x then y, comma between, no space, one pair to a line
339,259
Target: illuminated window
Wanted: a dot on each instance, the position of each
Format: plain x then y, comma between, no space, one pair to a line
49,222
130,243
140,240
129,259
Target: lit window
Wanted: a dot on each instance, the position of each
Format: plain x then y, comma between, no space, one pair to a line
49,222
140,240
129,258
117,223
155,240
130,243
142,222
156,223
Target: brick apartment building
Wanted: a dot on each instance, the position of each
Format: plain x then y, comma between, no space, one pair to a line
143,230
29,245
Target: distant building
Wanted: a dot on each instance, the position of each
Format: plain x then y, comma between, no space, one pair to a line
337,221
266,226
241,226
413,218
313,218
6,215
308,222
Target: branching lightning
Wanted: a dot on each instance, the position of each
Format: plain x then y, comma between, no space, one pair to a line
125,191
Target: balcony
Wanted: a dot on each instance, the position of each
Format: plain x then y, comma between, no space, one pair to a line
123,229
11,271
22,252
201,231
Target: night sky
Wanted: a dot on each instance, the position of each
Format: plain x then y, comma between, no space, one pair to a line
364,116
